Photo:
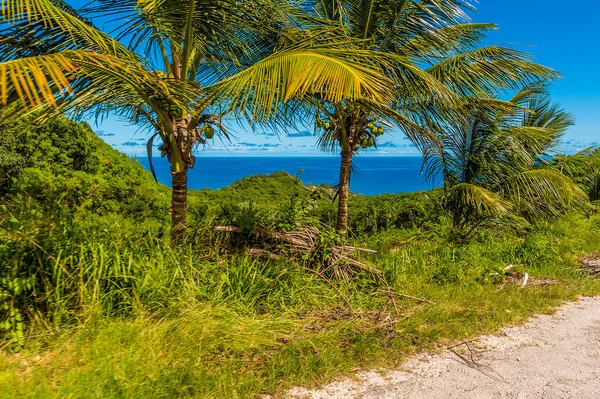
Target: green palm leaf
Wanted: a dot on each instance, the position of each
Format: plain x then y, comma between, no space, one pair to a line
486,70
543,192
39,22
265,86
476,201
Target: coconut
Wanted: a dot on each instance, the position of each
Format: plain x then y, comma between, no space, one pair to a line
209,132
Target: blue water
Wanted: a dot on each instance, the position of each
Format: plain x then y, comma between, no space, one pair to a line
374,175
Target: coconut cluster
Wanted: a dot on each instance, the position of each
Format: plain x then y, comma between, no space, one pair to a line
368,136
365,138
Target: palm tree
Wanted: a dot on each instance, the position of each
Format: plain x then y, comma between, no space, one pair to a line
172,66
437,50
492,161
583,168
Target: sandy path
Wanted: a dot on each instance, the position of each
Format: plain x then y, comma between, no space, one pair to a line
552,356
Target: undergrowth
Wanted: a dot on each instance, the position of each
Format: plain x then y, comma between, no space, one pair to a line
132,316
96,302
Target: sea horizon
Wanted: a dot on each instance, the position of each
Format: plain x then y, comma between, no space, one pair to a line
373,175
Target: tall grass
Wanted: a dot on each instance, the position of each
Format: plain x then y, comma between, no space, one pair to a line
108,308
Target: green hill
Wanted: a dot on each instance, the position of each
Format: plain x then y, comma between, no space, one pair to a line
63,163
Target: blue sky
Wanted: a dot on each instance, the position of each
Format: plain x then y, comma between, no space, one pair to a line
561,35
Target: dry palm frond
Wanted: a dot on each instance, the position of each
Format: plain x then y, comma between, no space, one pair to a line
591,264
304,244
523,279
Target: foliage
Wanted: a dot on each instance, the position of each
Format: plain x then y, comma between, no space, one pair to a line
392,211
97,303
583,168
224,328
174,68
63,163
491,156
440,60
91,281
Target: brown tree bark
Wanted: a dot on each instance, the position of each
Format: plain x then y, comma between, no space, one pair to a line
178,205
345,170
181,160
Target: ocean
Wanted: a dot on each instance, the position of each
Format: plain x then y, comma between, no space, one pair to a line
374,174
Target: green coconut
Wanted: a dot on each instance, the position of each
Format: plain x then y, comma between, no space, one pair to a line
209,132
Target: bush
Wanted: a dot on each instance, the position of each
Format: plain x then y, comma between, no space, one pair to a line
392,211
64,161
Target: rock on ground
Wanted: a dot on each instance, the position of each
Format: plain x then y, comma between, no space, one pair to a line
552,356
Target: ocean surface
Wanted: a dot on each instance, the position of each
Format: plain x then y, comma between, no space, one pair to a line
374,175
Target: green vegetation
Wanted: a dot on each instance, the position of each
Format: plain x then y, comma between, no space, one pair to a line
583,168
98,302
268,283
175,68
63,164
442,64
493,162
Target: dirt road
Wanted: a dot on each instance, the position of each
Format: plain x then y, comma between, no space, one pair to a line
552,356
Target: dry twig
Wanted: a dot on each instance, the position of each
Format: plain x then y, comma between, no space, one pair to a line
473,359
409,296
303,243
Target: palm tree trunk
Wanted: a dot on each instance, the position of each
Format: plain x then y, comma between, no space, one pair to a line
345,169
179,157
456,224
178,205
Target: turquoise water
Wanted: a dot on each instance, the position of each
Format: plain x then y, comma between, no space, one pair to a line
374,175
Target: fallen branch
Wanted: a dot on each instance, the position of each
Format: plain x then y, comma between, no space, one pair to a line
524,281
467,342
229,229
591,264
261,253
357,249
304,243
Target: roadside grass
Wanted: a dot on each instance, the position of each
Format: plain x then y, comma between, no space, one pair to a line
96,302
190,325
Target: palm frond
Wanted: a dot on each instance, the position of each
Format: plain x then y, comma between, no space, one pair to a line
543,192
79,81
476,202
335,74
447,41
37,80
488,70
48,26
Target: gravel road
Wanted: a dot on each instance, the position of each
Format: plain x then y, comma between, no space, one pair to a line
552,356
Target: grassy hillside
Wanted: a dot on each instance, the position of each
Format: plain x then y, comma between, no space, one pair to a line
96,302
